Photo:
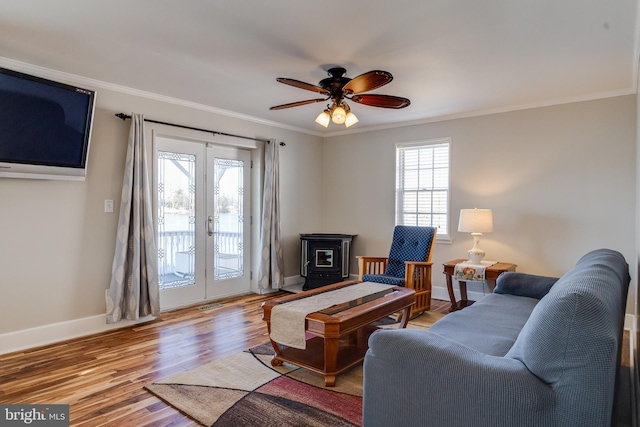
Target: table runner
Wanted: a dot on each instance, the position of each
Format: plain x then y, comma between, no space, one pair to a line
288,320
469,272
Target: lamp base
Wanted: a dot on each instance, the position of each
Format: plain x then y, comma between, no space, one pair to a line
475,253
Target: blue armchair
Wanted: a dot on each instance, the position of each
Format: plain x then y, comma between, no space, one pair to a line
409,264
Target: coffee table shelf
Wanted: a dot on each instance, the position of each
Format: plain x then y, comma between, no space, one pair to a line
351,351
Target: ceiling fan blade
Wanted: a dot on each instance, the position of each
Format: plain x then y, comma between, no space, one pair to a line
297,104
367,81
384,101
303,85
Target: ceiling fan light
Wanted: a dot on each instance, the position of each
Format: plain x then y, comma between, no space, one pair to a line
351,119
338,115
323,118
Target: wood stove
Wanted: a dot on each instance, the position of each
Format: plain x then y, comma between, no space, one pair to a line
324,258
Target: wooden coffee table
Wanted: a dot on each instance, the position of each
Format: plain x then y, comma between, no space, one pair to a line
341,332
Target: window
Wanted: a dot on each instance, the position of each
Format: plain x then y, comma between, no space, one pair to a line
422,185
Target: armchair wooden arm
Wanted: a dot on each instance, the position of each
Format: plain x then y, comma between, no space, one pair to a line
418,278
371,265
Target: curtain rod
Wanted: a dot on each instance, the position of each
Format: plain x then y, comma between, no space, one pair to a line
215,132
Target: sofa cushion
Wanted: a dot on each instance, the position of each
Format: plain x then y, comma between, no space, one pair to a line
384,278
490,326
524,285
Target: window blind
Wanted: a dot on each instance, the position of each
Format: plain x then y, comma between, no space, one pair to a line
422,185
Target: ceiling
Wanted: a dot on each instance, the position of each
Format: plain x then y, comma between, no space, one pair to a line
450,58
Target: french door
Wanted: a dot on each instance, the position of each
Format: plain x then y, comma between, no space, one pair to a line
202,214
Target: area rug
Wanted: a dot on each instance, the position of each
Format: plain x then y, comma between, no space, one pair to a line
245,390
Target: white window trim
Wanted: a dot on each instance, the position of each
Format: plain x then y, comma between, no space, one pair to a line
440,238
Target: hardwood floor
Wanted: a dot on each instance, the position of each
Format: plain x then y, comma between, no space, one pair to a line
102,376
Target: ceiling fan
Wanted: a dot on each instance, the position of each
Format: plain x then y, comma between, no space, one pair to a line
338,88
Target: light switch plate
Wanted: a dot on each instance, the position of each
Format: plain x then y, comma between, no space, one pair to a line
108,206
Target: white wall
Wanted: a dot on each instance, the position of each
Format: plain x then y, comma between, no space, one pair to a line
561,181
57,243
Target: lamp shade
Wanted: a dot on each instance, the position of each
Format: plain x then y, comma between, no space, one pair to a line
475,221
338,115
351,119
324,118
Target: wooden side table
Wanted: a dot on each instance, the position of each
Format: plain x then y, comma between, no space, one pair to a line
491,274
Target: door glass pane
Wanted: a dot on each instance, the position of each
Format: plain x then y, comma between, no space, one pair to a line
176,219
228,218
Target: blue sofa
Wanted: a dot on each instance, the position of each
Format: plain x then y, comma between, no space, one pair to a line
538,351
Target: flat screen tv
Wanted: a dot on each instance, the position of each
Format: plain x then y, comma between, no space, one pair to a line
45,127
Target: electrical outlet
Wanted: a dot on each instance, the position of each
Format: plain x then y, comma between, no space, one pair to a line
108,206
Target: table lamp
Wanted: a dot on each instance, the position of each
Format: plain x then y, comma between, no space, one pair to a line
476,222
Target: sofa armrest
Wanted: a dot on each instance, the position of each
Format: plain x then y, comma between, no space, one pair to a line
524,285
419,378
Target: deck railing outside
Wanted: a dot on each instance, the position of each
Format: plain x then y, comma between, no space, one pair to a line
175,246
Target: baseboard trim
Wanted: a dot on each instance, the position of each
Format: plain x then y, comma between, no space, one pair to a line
39,336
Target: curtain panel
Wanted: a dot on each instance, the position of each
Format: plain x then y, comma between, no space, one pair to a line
271,261
134,291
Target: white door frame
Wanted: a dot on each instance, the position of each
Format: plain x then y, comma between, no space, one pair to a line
256,148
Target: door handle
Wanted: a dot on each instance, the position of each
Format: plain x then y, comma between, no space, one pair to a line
210,225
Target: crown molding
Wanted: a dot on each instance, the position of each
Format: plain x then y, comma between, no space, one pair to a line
75,79
80,80
477,113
